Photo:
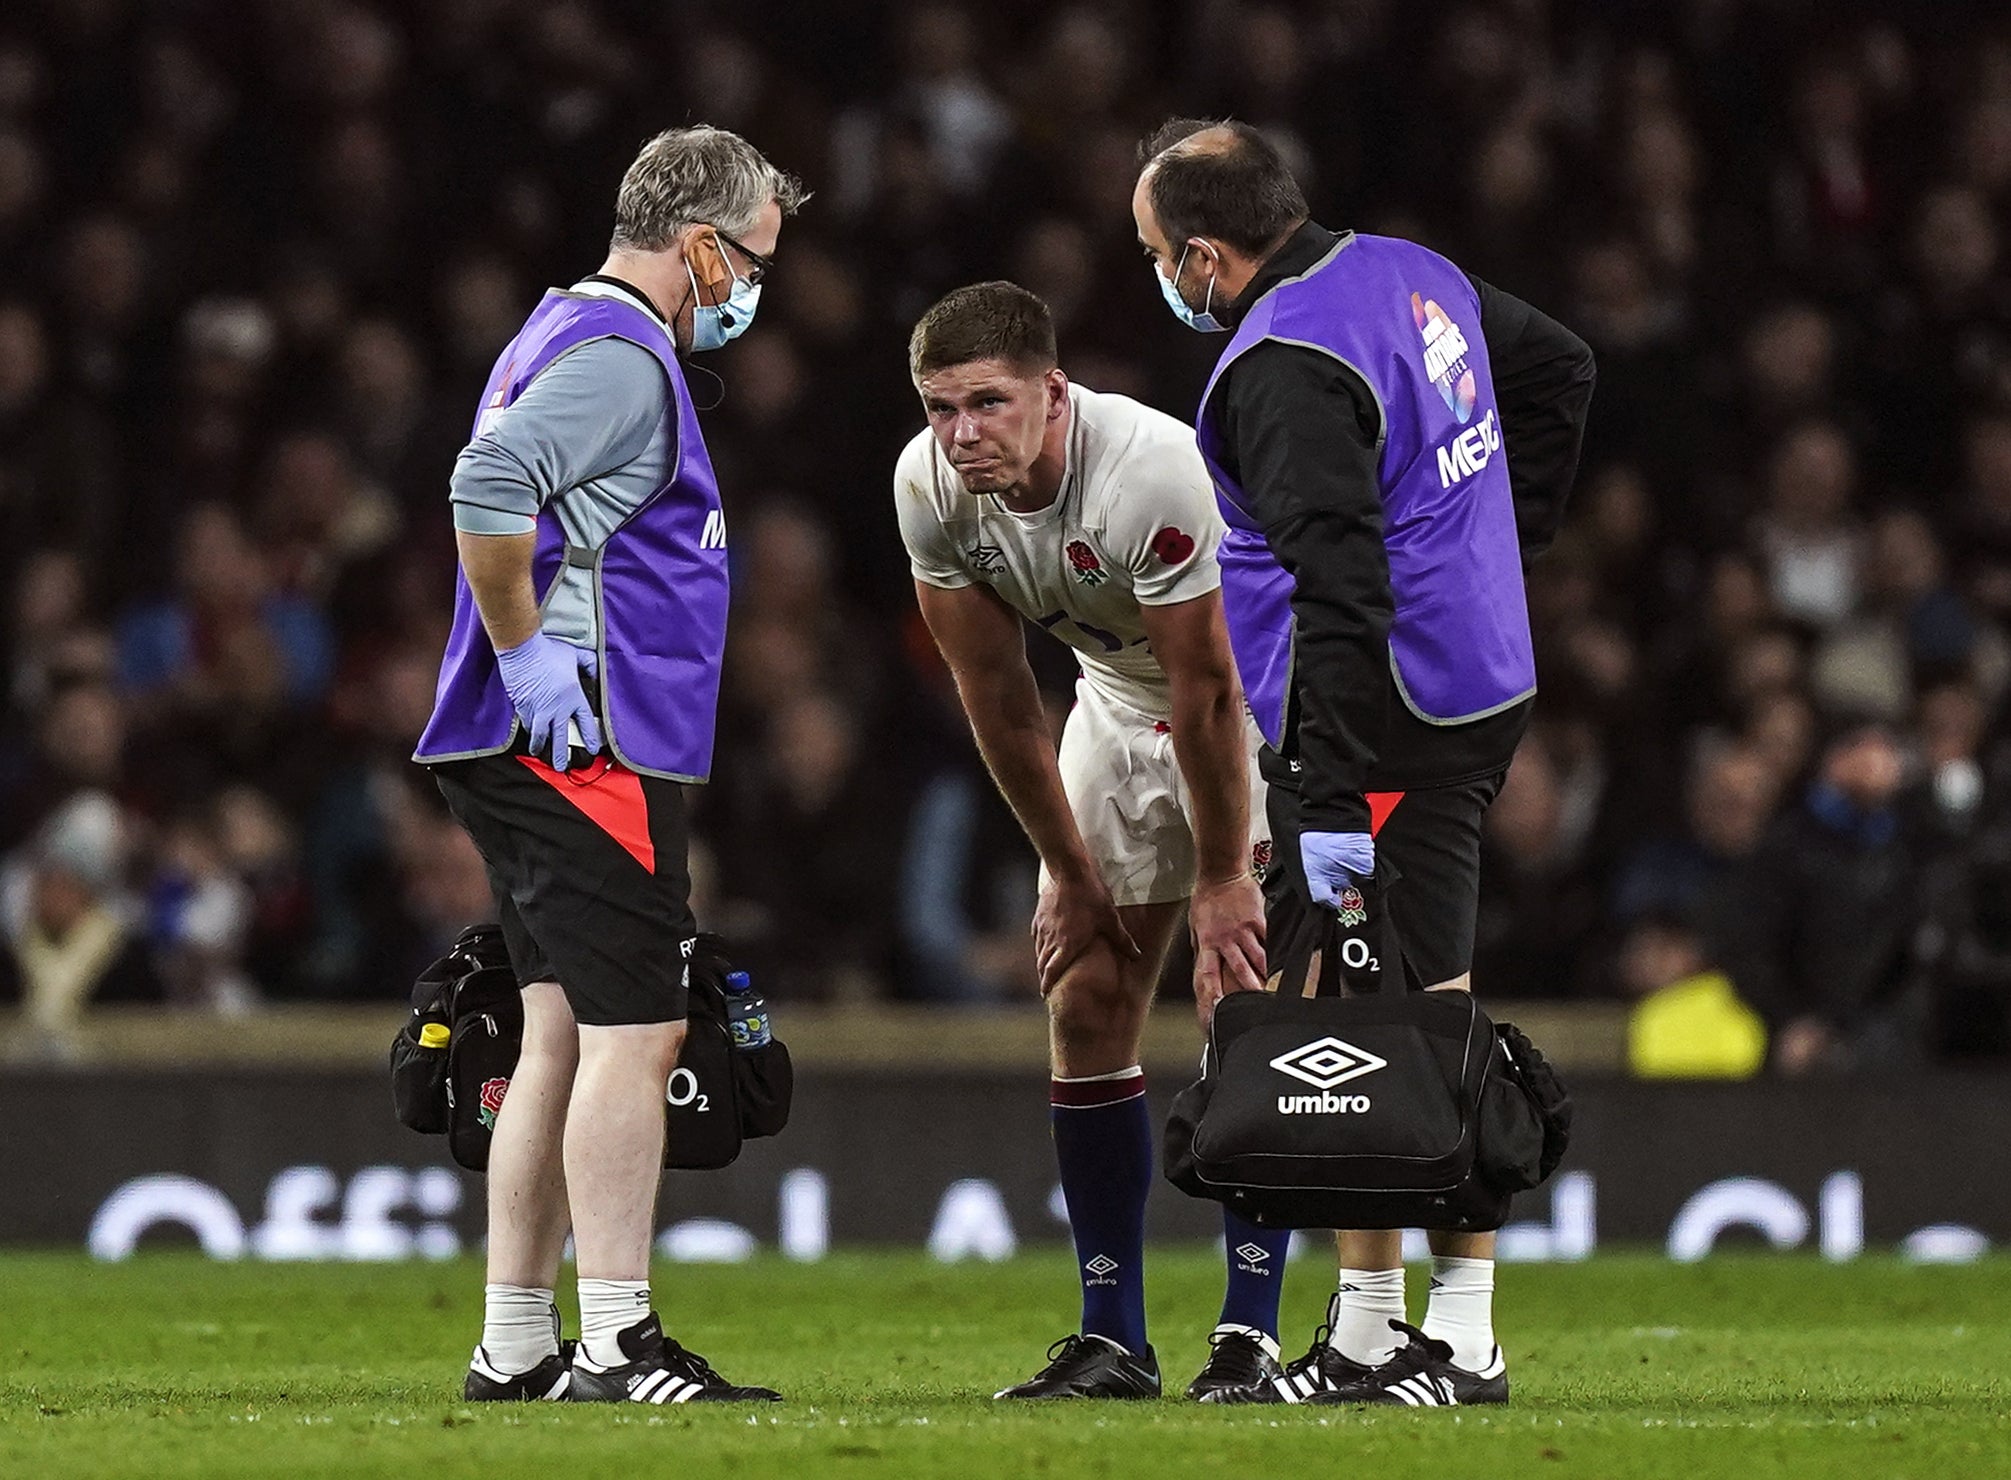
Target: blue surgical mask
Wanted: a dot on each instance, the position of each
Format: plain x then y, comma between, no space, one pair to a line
1204,321
715,324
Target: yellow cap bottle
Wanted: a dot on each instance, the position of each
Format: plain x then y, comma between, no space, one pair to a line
435,1035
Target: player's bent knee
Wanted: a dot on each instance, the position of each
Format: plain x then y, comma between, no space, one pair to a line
1093,1001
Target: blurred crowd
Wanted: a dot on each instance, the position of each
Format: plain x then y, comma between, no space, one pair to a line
256,257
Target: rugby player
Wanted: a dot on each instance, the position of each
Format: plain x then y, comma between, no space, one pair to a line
1092,516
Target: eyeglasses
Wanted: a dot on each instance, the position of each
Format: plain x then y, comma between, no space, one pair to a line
761,266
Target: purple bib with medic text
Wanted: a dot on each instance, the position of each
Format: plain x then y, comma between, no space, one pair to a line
1408,323
660,580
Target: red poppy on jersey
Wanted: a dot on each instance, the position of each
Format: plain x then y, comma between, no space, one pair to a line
1172,545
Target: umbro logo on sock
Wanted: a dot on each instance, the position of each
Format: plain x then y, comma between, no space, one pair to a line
1253,1257
1099,1270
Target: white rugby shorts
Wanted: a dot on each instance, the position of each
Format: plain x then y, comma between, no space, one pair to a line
1130,800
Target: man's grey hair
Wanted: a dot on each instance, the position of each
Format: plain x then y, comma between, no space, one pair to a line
701,173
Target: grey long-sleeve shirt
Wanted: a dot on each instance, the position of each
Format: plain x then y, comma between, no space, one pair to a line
590,436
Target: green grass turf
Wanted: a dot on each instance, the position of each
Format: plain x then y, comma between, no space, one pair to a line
1624,1366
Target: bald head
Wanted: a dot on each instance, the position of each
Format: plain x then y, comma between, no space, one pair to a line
1222,181
1190,136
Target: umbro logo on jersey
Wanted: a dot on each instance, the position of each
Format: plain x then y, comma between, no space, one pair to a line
986,560
1326,1062
714,537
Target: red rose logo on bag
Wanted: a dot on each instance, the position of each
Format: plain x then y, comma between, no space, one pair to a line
1088,569
493,1091
1260,859
1172,545
1354,910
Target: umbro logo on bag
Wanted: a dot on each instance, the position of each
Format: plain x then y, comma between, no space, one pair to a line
1327,1062
1324,1063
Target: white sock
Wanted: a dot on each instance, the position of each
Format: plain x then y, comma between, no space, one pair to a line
1369,1300
1461,1312
608,1308
519,1327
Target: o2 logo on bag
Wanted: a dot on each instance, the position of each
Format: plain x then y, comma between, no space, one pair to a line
683,1090
1326,1063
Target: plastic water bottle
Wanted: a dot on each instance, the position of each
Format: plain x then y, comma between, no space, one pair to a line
746,1012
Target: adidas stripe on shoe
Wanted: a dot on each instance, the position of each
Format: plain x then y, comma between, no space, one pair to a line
1321,1370
1421,1375
545,1383
658,1371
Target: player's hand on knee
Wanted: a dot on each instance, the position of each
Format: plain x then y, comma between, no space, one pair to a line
1335,861
1227,918
1070,919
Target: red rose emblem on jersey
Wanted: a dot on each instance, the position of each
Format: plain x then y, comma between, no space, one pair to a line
1088,569
493,1091
1172,545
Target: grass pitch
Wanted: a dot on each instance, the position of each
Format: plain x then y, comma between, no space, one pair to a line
1625,1366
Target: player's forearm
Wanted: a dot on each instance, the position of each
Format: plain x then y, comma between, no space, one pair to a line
1012,736
1208,742
498,567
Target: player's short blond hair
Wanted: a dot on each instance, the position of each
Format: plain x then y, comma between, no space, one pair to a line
701,173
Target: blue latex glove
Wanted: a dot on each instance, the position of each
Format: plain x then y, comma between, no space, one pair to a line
543,677
1333,861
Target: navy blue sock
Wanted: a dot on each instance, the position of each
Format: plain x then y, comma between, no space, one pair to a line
1256,1274
1103,1141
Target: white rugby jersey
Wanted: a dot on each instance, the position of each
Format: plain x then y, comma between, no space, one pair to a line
1134,525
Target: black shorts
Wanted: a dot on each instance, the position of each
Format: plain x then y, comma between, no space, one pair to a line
1430,838
592,879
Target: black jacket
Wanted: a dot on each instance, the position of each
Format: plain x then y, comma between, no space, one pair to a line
1823,922
1299,436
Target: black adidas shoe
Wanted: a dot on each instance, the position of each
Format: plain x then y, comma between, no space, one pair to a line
1091,1367
658,1370
1320,1370
1421,1375
1238,1357
545,1383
